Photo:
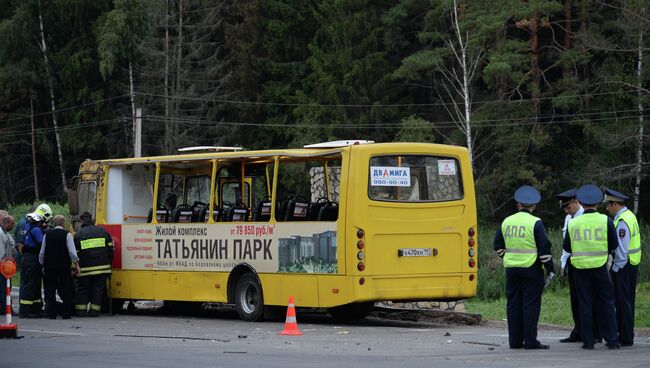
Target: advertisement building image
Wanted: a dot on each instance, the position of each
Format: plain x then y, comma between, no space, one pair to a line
308,254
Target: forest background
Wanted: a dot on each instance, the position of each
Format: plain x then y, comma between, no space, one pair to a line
548,93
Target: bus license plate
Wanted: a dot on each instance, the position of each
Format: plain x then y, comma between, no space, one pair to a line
415,252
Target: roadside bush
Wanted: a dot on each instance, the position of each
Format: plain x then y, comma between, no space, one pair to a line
20,210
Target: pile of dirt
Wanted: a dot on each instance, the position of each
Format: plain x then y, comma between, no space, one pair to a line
427,315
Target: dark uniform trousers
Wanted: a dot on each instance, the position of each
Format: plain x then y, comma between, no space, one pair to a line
594,288
91,289
575,306
624,289
58,280
524,287
56,264
30,284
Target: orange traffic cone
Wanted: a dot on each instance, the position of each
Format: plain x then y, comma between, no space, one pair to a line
291,325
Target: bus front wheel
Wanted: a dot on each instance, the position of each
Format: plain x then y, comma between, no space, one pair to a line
249,300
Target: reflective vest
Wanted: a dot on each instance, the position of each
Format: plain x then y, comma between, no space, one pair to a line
95,249
634,250
519,235
588,234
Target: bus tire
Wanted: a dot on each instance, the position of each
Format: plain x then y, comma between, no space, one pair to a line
351,312
249,299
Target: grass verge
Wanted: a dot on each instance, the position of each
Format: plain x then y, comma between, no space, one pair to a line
556,308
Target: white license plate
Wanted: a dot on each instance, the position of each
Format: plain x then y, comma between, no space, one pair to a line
415,252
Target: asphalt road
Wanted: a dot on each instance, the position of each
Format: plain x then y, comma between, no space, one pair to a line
148,339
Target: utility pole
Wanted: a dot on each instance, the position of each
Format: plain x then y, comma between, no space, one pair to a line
31,106
137,133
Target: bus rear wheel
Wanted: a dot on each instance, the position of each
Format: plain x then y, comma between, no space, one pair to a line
352,311
249,300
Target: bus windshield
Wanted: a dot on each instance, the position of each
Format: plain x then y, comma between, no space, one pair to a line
414,179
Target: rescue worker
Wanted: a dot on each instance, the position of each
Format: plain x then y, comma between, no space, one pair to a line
57,255
19,236
626,263
95,250
6,251
522,242
572,208
590,238
31,305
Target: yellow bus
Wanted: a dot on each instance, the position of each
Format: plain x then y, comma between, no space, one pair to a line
337,225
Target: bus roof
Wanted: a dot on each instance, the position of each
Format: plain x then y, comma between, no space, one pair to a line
319,151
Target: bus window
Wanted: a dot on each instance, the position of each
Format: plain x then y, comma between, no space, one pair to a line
198,194
183,192
87,195
414,179
231,193
303,192
130,193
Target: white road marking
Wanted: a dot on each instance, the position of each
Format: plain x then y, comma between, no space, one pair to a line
52,332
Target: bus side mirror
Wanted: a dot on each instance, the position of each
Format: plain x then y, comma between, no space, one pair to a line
73,202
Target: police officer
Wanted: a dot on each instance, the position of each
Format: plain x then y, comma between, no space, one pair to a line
524,246
571,208
31,305
626,263
589,239
95,250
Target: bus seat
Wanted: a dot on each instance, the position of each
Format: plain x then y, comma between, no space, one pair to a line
297,209
183,213
281,209
236,213
162,215
329,212
197,211
262,210
216,214
314,208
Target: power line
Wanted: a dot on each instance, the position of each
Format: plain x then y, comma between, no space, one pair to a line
436,124
66,109
61,128
242,102
629,115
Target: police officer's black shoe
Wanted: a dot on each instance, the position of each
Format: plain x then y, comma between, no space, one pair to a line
599,340
613,346
571,339
538,346
93,313
588,347
627,343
